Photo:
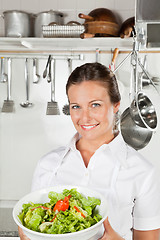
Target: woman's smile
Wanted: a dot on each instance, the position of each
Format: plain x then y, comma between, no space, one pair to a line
89,127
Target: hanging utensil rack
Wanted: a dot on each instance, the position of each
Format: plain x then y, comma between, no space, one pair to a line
54,56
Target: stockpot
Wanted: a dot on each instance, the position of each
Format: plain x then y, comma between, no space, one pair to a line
17,23
46,18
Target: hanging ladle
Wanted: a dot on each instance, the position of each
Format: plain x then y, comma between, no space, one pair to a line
27,103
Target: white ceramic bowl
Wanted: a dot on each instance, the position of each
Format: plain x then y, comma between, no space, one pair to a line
41,196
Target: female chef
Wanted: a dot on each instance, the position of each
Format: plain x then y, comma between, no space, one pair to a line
97,157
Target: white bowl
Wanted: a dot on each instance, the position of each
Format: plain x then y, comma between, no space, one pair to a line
41,196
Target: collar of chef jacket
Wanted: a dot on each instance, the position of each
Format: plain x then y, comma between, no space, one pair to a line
117,146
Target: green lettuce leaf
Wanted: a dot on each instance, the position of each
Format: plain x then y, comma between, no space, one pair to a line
54,196
34,222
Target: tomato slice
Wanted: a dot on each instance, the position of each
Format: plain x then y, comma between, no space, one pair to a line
62,205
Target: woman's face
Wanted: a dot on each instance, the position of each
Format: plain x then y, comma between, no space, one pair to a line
91,110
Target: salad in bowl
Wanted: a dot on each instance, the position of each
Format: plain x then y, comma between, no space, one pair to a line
61,212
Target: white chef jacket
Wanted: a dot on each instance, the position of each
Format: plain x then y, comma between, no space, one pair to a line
117,171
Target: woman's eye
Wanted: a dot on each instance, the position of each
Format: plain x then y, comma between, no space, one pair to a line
75,107
96,105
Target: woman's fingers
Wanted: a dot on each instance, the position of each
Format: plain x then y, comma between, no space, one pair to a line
22,235
109,233
107,230
107,226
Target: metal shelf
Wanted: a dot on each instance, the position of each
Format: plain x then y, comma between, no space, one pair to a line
44,45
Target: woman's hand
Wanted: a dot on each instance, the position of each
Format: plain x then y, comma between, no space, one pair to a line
22,235
109,233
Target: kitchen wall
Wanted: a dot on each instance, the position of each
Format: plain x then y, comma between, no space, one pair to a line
28,133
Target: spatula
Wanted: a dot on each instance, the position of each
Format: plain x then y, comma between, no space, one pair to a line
8,105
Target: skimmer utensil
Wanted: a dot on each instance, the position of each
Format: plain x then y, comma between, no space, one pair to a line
52,106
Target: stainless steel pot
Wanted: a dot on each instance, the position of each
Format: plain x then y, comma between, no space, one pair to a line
17,23
136,136
46,18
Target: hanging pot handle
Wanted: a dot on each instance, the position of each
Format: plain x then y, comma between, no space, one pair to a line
87,17
87,35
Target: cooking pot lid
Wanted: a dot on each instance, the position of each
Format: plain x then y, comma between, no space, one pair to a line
51,12
15,11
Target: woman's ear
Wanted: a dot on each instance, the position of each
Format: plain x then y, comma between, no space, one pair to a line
116,107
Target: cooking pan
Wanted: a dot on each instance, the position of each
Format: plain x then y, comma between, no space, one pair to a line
134,135
100,22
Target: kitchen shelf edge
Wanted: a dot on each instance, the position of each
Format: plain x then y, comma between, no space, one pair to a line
67,44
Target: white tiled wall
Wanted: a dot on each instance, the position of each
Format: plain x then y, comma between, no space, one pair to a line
71,8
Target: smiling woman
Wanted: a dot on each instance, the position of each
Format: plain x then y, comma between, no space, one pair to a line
92,113
98,158
94,100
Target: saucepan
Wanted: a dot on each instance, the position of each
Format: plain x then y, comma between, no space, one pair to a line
136,136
